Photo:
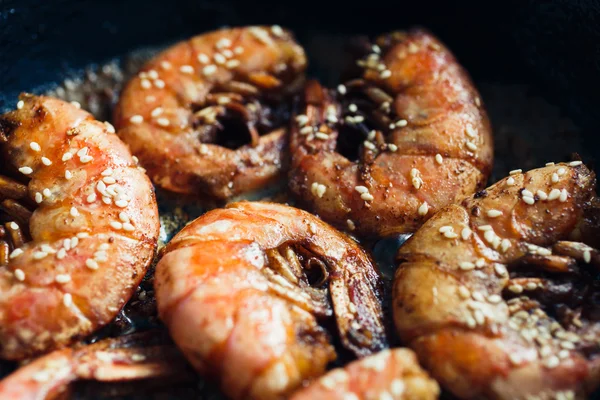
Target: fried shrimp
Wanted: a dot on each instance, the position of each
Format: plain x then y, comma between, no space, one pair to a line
390,374
243,289
406,137
209,115
498,295
80,226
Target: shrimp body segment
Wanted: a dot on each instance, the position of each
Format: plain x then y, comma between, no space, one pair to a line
192,110
497,295
243,289
422,135
81,234
390,374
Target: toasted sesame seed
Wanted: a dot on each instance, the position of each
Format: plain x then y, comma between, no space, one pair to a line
466,233
494,213
46,161
369,145
563,196
163,121
38,255
186,69
510,181
136,119
450,235
321,135
516,288
505,245
423,208
223,43
439,159
46,192
25,170
528,200
494,299
203,58
561,171
231,64
527,193
367,197
471,323
385,74
62,253
531,286
555,178
128,227
350,224
464,292
470,131
500,270
414,172
489,236
392,147
67,299
74,212
63,278
445,228
361,189
466,266
219,58
116,225
575,163
145,84
542,195
554,194
109,127
471,146
209,70
35,146
341,89
417,182
515,171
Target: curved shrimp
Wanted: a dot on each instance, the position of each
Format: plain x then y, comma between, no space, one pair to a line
126,358
390,374
242,289
495,299
187,114
422,135
80,230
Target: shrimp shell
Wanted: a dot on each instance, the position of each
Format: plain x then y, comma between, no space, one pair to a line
172,113
481,308
252,326
84,261
428,147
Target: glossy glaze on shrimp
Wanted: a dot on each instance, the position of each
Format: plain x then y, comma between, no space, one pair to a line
407,136
499,297
243,291
209,115
80,226
390,375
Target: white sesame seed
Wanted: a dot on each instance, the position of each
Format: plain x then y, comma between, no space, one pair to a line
552,362
35,146
20,104
101,187
107,172
15,253
152,74
74,212
471,146
62,253
527,193
494,213
505,245
385,74
101,256
163,122
219,58
561,171
38,255
563,196
464,292
587,256
575,163
466,266
159,83
466,233
367,197
165,65
479,317
68,174
392,147
515,171
480,263
136,119
19,274
222,43
227,53
301,119
123,217
542,195
554,194
450,235
350,224
238,50
500,270
121,203
156,112
25,170
76,104
116,225
358,119
46,161
38,197
439,159
83,235
489,236
91,264
392,126
209,70
445,228
67,299
203,58
361,189
277,30
510,181
104,246
91,198
423,208
352,108
369,145
470,131
83,152
145,84
528,200
306,130
516,288
128,227
46,192
67,156
321,135
341,89
555,178
63,278
106,200
494,299
231,64
484,228
186,69
471,323
401,123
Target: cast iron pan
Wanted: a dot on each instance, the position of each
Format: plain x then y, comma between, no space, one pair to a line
536,66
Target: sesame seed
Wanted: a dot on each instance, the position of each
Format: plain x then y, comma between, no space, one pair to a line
19,274
20,104
510,181
159,83
227,53
515,171
238,50
464,292
67,299
91,198
392,147
494,213
480,263
301,119
38,197
222,43
516,288
38,255
203,58
552,362
587,256
209,70
231,64
466,233
68,174
116,225
46,192
385,74
62,253
527,193
15,253
186,69
163,122
25,170
494,299
479,317
104,246
123,217
438,158
83,152
367,197
145,84
165,65
136,119
554,194
471,146
106,200
471,323
470,131
350,224
445,228
35,146
484,228
575,163
505,245
67,156
361,189
392,126
156,112
341,89
152,74
563,196
306,130
489,236
74,212
91,264
561,171
352,108
417,182
277,31
555,177
121,203
358,119
466,266
331,118
318,189
500,269
542,195
401,123
423,208
450,235
219,58
369,145
321,135
76,104
528,200
62,278
46,161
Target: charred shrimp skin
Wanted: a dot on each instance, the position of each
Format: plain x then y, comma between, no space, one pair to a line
242,290
390,374
80,226
422,134
192,110
496,297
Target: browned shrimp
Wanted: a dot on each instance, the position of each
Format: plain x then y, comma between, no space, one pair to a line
393,146
388,375
126,358
243,289
495,299
190,112
80,226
